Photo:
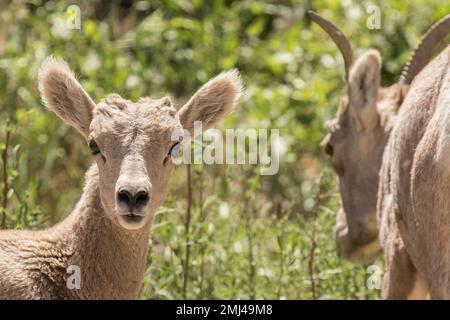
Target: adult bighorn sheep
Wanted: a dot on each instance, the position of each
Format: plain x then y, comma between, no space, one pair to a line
107,234
358,135
414,192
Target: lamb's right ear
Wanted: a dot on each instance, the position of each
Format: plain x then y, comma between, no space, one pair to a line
64,95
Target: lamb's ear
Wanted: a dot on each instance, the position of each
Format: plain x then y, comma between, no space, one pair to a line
212,101
363,85
64,95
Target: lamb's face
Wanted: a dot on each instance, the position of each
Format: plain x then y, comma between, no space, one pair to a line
132,144
132,141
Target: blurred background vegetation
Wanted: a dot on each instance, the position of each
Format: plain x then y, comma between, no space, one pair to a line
248,236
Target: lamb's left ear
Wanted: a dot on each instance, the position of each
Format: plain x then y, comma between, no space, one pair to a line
64,95
212,101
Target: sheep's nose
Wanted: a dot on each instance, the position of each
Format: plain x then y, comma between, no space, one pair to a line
134,201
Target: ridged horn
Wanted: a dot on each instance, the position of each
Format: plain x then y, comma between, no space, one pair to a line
424,51
338,37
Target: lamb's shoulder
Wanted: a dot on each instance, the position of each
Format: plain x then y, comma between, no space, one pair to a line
33,265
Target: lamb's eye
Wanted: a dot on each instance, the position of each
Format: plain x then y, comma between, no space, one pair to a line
175,151
94,147
174,154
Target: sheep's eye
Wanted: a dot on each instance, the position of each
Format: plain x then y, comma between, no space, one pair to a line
94,147
174,153
175,150
329,149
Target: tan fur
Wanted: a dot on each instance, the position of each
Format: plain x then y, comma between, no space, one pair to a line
413,205
134,139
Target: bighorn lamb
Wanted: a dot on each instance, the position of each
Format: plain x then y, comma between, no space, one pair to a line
358,135
107,234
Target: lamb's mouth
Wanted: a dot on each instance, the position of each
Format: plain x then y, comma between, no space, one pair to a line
132,218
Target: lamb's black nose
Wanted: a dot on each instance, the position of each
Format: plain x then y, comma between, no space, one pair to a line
134,201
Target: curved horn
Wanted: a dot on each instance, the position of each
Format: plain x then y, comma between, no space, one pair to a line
423,53
338,37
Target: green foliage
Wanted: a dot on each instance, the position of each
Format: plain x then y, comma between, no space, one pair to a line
250,236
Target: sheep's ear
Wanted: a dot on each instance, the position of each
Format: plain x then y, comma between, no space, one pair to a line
64,95
212,101
363,85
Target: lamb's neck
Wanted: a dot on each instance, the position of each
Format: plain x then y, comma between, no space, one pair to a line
111,259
